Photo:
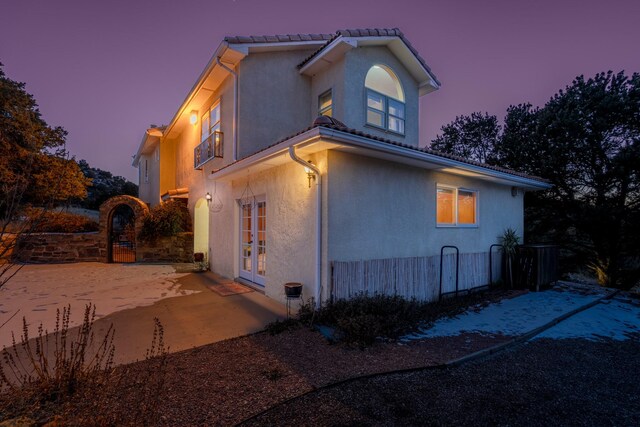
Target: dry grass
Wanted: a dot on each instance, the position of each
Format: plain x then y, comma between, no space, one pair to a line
71,377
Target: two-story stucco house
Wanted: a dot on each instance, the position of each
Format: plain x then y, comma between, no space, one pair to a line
280,194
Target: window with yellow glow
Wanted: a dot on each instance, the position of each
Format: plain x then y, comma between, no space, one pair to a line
466,207
385,99
445,206
456,207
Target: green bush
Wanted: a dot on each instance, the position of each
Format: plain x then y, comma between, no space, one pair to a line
43,221
166,219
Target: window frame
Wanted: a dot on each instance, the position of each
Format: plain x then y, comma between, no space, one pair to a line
209,146
211,128
321,111
456,190
385,113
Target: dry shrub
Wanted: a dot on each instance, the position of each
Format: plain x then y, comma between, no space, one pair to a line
70,377
46,221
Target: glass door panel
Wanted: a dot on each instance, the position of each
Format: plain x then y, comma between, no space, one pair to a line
253,241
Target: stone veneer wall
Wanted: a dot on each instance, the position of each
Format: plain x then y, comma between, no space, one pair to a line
53,248
60,247
178,248
87,247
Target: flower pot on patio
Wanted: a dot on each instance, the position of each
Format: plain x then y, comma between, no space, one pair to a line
293,289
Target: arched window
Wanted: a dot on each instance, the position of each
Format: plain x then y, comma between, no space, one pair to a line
385,99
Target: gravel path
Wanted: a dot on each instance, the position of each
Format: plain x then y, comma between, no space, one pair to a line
546,382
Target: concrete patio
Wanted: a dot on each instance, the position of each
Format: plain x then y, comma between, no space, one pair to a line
130,296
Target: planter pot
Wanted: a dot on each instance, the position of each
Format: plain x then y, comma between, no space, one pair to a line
293,290
198,257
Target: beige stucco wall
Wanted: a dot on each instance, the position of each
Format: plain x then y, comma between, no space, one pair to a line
357,64
380,209
273,99
291,220
167,165
149,189
330,78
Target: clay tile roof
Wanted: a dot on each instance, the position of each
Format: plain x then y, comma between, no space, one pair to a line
372,32
330,123
343,128
277,38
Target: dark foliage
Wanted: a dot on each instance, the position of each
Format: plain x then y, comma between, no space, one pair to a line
363,319
166,219
104,185
586,142
34,165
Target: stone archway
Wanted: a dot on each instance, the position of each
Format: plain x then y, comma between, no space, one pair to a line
111,207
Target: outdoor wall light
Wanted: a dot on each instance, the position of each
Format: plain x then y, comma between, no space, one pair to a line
310,174
193,117
514,191
208,197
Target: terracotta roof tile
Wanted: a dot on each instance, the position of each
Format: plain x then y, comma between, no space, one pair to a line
284,38
372,32
343,128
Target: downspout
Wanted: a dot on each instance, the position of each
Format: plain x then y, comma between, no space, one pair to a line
316,171
235,107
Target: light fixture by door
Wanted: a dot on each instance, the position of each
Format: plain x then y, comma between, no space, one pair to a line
310,174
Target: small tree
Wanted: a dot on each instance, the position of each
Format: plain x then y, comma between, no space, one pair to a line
509,242
34,167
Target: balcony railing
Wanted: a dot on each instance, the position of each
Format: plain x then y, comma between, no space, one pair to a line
208,149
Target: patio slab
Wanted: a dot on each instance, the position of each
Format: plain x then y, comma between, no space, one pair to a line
130,296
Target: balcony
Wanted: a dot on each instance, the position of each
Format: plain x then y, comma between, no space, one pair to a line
208,149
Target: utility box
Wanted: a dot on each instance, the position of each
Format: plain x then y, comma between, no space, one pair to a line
538,265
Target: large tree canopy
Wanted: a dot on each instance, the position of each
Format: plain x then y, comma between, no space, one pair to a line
104,185
586,142
34,167
471,137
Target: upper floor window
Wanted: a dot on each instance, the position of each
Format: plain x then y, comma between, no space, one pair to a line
211,137
210,121
385,99
456,207
325,104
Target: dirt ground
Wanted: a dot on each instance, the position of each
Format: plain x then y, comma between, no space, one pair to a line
546,382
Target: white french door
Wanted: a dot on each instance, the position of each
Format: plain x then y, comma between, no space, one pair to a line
253,240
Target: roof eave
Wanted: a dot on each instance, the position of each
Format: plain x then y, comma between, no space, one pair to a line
427,81
317,133
151,136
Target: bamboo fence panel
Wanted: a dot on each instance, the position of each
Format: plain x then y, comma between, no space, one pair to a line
417,277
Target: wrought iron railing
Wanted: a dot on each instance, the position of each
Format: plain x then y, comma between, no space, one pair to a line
208,149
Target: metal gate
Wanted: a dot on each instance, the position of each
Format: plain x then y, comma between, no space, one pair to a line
122,235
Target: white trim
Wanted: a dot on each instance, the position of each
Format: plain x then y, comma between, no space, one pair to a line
247,48
344,138
339,43
252,275
456,191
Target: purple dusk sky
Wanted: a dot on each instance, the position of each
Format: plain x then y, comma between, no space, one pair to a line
105,70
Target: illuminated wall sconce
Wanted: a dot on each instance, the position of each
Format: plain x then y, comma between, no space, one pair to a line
193,117
208,198
310,174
